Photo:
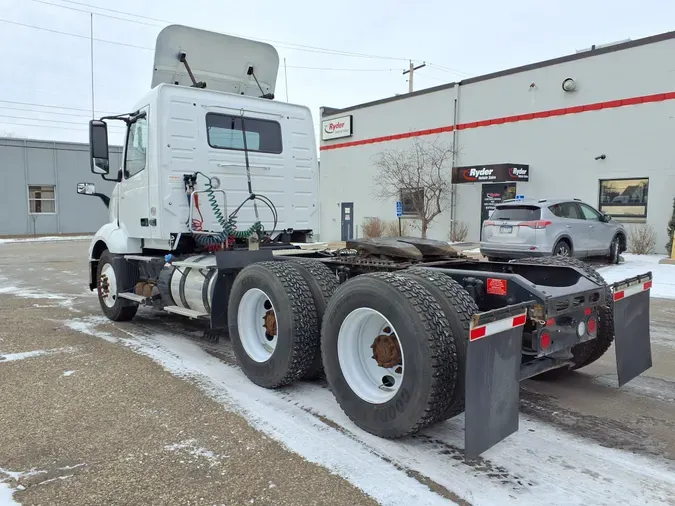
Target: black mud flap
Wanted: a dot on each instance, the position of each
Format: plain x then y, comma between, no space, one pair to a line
493,358
631,327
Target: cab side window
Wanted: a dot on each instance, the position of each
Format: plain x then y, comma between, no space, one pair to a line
136,156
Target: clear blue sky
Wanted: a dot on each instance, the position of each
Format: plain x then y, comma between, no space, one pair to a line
456,39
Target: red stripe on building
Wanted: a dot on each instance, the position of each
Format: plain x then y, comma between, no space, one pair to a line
612,104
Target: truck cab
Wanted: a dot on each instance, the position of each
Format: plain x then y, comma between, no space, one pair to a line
206,138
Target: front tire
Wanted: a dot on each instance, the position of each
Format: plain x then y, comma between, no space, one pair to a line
614,251
388,354
272,323
114,277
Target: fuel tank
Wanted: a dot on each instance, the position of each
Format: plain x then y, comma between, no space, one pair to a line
189,284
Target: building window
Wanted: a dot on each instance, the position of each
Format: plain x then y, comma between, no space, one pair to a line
412,201
41,199
624,198
226,132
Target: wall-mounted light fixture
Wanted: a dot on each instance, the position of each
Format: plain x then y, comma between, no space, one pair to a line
569,84
601,157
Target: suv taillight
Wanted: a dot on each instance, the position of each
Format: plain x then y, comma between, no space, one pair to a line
536,224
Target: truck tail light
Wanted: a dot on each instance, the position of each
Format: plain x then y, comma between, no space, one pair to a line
538,224
488,223
545,340
592,325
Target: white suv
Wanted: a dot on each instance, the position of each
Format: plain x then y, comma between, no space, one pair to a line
565,227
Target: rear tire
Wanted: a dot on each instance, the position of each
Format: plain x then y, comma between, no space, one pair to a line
562,249
425,386
458,307
113,277
322,284
589,351
278,355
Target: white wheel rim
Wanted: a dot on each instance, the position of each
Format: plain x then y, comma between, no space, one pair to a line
108,296
251,323
365,377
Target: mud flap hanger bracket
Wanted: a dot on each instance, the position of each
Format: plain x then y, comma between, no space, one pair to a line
493,359
631,326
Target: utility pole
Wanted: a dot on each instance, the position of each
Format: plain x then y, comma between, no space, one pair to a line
410,71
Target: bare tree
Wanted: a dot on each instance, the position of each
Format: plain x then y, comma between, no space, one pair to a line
418,176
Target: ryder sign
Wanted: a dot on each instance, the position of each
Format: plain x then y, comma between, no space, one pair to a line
496,173
336,128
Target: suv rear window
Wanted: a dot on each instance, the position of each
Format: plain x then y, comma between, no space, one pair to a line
516,213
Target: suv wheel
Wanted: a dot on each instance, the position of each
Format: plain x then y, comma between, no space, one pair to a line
562,249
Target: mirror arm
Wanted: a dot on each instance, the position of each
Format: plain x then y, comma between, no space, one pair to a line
104,198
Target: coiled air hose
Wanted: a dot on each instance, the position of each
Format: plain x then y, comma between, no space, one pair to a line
229,224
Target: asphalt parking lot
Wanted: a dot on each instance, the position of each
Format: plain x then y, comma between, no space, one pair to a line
95,412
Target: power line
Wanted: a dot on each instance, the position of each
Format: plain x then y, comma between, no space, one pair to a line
72,129
290,45
51,106
74,114
286,45
74,35
102,15
342,70
52,120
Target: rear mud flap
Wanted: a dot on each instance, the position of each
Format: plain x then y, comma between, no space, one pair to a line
492,397
631,327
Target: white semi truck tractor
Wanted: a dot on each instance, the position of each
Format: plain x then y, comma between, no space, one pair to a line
218,187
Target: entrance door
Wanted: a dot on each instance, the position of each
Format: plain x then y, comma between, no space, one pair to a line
347,221
493,194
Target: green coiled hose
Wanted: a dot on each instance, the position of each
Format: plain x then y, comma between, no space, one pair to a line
228,224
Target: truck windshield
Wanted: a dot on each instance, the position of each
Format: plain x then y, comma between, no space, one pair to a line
516,213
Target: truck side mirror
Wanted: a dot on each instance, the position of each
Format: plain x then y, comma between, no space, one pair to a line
98,147
90,189
86,188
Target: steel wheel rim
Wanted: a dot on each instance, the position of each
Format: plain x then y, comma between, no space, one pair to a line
108,297
251,323
355,355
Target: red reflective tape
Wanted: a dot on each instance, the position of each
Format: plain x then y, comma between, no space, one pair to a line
610,104
519,320
647,285
477,333
619,295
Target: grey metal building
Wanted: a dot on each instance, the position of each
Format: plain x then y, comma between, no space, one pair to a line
38,190
597,125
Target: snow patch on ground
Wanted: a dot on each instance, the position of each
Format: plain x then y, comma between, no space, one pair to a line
56,238
88,325
540,464
191,447
7,495
12,357
61,300
664,274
